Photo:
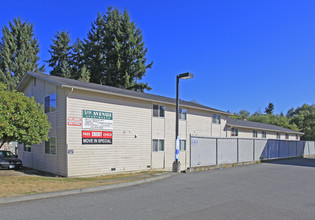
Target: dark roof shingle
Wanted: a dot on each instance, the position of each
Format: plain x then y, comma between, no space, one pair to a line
64,82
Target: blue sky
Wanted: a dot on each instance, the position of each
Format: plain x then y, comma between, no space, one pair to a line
244,54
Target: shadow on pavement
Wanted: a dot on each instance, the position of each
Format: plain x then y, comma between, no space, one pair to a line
305,162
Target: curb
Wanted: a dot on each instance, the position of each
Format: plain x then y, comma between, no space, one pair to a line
82,190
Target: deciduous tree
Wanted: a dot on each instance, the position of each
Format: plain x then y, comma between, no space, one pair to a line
22,119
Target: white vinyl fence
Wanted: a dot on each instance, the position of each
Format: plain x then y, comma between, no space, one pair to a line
207,151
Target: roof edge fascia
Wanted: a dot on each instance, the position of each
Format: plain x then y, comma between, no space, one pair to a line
139,98
290,132
43,78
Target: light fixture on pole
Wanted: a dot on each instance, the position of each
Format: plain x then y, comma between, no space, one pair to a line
176,164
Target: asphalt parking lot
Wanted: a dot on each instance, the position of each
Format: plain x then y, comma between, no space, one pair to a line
283,189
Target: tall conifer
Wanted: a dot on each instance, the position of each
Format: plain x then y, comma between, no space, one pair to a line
60,52
114,51
18,52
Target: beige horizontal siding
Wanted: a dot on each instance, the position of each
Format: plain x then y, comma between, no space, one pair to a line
131,148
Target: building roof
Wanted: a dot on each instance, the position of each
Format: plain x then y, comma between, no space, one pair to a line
259,126
76,84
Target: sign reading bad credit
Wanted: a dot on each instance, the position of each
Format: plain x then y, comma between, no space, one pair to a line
97,120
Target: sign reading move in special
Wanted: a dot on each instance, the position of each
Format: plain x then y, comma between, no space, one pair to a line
97,137
97,120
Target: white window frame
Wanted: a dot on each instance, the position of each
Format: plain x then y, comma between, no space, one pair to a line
287,136
183,147
234,132
50,152
159,147
158,111
255,133
297,137
182,114
264,134
278,135
49,108
216,119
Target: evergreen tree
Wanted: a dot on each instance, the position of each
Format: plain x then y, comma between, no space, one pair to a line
65,70
77,62
18,52
114,51
60,55
269,109
84,74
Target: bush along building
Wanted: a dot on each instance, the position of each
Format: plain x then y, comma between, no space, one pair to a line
98,129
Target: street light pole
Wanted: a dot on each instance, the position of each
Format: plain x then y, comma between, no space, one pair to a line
176,164
177,120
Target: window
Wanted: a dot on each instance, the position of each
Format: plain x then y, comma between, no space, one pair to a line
182,145
216,119
286,136
158,145
158,111
50,146
27,147
50,103
297,137
263,134
255,133
278,136
182,113
234,132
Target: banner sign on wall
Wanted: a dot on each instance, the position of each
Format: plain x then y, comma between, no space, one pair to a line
97,137
97,120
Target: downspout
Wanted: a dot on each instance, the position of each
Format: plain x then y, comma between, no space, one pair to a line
66,118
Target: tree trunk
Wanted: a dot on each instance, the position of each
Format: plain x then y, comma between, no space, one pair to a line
2,144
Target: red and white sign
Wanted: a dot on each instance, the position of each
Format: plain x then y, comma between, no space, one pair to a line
74,121
97,134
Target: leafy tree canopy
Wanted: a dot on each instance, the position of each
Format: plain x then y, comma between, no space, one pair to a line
22,119
18,52
299,119
304,118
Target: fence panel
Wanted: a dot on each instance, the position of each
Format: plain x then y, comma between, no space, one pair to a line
311,147
227,151
261,149
284,150
203,152
273,148
292,148
301,145
246,150
211,151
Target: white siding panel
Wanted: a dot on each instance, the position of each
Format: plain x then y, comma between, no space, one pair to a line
131,148
158,128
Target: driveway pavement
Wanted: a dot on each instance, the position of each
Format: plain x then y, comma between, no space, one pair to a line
278,190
